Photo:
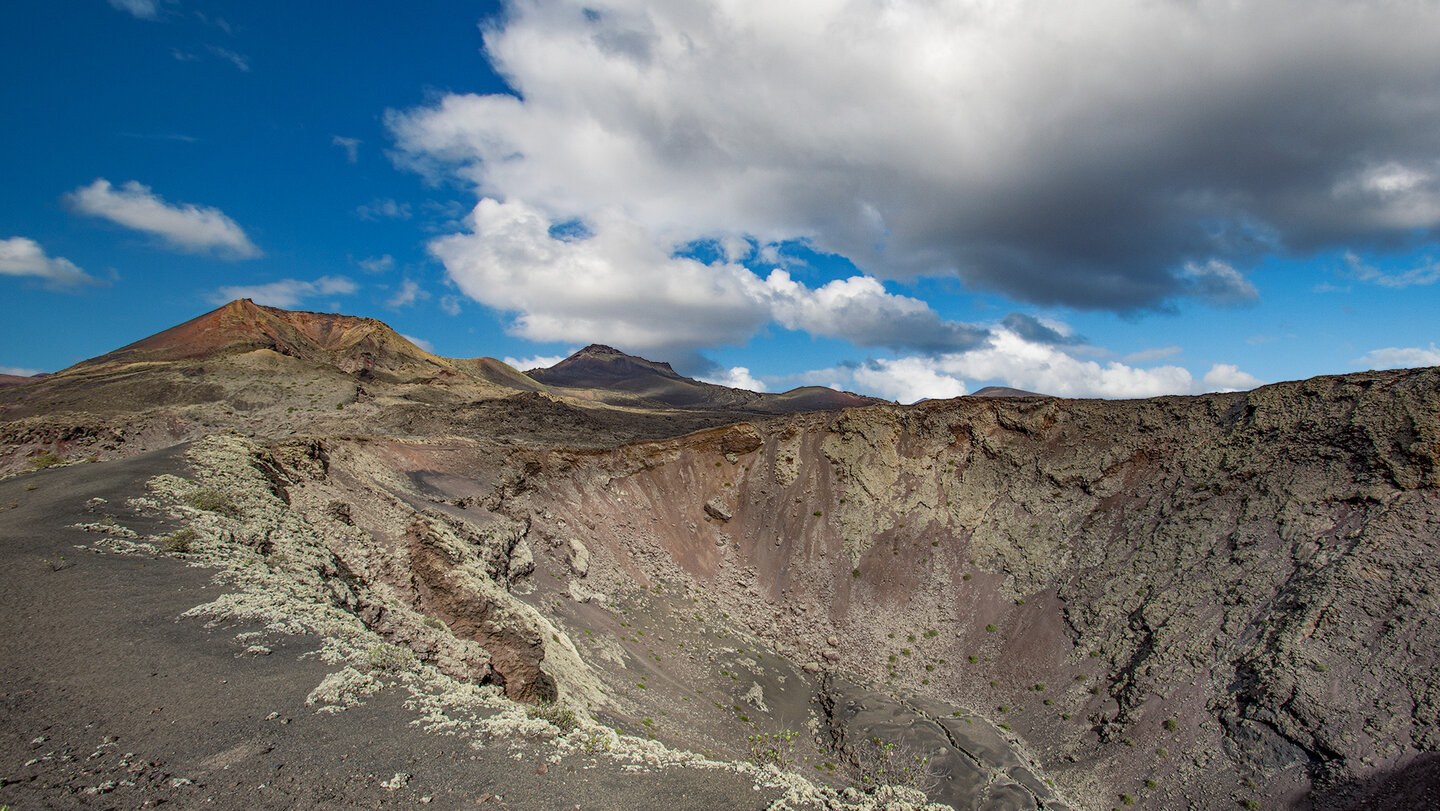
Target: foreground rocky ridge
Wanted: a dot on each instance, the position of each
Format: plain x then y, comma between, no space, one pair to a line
1232,596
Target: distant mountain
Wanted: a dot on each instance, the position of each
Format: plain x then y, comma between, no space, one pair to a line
1005,391
608,375
364,347
240,352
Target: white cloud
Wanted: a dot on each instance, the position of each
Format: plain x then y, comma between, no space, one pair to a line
1009,358
384,209
185,227
377,264
535,362
907,380
736,377
1428,273
287,293
239,60
610,285
1073,153
144,9
450,304
1218,283
1047,369
420,342
1395,194
1152,355
19,371
859,310
408,294
1228,377
20,256
1400,358
350,145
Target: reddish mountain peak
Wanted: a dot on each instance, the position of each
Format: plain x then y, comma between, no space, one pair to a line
349,342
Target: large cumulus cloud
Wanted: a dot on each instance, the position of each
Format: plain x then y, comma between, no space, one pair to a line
614,284
1115,154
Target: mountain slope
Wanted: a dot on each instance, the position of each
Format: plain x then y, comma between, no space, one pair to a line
362,346
608,375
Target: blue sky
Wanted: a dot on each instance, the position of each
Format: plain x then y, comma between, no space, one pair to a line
897,198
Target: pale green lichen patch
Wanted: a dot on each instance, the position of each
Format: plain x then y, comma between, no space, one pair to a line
341,690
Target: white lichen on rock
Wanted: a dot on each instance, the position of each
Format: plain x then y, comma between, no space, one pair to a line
341,690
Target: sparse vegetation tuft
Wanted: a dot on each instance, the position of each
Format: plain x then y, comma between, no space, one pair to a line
214,500
558,715
181,540
45,459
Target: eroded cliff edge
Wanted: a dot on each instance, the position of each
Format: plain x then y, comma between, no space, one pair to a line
1204,597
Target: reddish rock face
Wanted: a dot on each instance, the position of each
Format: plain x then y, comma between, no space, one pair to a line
442,592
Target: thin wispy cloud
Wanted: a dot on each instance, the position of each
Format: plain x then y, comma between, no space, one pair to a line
1359,270
143,9
350,145
409,293
239,60
180,226
288,293
384,208
1399,357
19,371
21,256
377,264
420,342
163,136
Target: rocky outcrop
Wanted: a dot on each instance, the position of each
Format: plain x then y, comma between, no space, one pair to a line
1243,581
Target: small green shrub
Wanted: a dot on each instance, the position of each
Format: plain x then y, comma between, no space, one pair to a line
45,459
214,500
181,540
990,629
558,715
1171,724
389,658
